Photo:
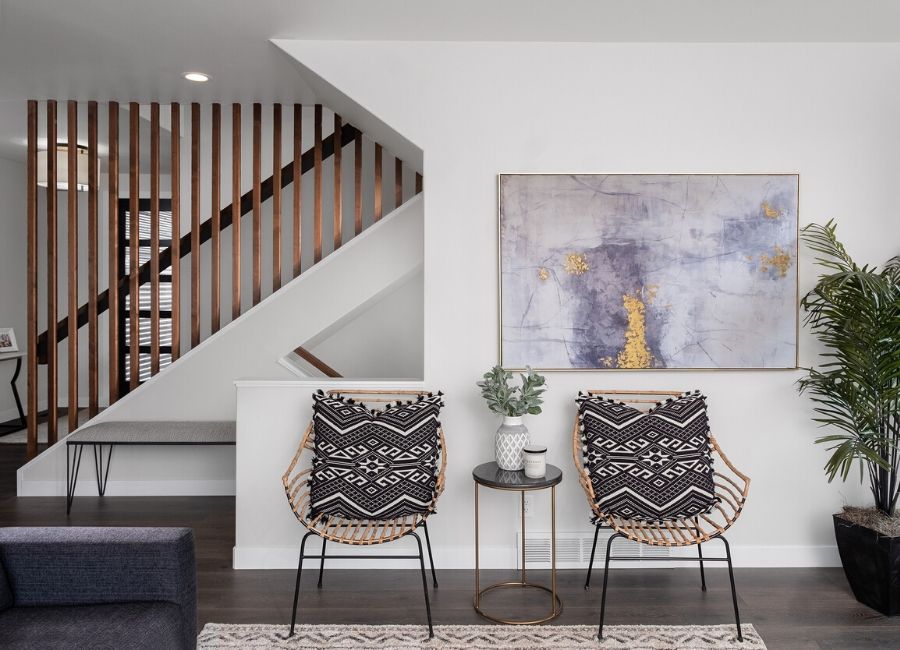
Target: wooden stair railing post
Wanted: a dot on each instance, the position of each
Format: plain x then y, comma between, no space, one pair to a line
317,185
154,238
297,188
398,183
72,260
257,203
235,211
93,263
32,225
338,194
134,230
216,248
378,189
52,278
357,183
276,199
175,249
114,277
195,225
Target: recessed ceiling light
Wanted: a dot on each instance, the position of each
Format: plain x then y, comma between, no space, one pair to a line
196,76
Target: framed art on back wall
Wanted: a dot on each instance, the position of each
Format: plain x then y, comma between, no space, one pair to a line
648,271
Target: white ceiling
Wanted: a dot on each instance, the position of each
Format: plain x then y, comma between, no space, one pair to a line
137,50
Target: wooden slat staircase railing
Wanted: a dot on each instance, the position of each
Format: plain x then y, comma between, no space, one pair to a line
43,347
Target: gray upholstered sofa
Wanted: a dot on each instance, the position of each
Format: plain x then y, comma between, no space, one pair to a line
118,588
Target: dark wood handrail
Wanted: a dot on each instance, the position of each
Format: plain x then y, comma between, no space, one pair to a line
348,135
316,362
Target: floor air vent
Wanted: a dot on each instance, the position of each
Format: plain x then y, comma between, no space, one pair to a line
573,549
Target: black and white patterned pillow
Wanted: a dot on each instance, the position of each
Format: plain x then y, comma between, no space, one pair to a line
374,464
653,466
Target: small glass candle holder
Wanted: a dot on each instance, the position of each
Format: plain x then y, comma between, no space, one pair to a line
535,460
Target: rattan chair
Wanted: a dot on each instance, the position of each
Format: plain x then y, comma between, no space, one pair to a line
357,532
731,487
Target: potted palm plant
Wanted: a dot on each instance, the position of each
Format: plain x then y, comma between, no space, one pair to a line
513,403
854,311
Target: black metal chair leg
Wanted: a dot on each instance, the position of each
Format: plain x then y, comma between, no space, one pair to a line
605,580
297,585
430,554
322,564
424,586
737,615
702,572
587,582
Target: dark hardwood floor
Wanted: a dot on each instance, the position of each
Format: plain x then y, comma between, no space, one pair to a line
791,608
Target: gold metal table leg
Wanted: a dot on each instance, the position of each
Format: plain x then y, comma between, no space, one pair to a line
477,577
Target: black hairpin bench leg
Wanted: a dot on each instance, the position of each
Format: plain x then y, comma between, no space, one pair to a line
73,464
102,475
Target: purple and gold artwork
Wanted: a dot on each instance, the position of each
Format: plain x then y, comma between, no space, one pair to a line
648,271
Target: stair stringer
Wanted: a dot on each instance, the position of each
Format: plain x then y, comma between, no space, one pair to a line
200,385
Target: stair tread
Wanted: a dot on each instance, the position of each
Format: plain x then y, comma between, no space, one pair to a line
156,432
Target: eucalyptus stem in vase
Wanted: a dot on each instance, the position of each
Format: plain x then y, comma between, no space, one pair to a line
513,403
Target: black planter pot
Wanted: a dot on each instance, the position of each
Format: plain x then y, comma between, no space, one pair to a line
872,565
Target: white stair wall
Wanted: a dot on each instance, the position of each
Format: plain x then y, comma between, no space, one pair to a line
201,385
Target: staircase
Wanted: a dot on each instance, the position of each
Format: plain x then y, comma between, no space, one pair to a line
168,268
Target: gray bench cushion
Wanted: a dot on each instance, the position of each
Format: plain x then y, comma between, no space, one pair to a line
120,626
156,433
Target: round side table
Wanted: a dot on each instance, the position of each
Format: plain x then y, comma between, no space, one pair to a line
491,476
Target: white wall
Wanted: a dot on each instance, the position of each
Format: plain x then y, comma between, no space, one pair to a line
477,109
13,260
383,342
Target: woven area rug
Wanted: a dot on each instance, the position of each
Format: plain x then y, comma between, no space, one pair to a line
460,637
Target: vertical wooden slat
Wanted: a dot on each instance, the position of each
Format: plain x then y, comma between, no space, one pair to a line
235,211
215,219
317,186
72,260
398,183
195,224
52,280
357,183
175,147
31,207
93,254
378,157
154,238
276,197
113,251
134,189
418,183
297,188
257,202
338,194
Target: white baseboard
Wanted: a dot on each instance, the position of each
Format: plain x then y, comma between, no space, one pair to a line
87,486
502,557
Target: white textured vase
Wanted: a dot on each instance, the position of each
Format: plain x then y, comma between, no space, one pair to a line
512,436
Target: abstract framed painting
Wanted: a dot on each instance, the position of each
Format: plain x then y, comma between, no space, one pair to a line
648,271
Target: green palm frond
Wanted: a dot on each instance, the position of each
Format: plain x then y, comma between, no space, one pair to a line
854,311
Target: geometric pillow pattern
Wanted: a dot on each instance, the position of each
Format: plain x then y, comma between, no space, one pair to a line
374,464
649,466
